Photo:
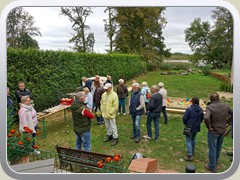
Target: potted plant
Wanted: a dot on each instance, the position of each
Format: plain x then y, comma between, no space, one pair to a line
19,144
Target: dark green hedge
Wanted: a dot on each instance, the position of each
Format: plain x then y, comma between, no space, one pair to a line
52,74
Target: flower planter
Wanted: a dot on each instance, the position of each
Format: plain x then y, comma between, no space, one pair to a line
22,160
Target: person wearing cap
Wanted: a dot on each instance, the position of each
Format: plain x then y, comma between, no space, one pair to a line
136,109
215,119
87,83
145,89
81,116
109,107
163,92
122,93
88,98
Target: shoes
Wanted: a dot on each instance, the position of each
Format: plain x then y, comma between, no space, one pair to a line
118,113
188,158
114,142
137,140
124,114
36,152
211,170
155,139
108,138
132,137
98,123
102,122
147,137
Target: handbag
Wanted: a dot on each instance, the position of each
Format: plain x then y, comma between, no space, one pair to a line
187,131
148,95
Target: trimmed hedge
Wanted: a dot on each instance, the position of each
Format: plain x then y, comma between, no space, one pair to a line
52,74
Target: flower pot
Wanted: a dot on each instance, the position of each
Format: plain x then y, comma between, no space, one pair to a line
24,159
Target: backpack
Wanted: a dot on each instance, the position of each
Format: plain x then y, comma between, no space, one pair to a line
148,95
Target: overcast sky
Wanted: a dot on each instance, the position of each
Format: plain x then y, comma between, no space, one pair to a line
56,29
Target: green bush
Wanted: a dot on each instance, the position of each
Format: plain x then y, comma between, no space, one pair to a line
174,66
206,70
52,74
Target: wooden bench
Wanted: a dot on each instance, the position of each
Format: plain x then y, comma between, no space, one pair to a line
41,166
78,158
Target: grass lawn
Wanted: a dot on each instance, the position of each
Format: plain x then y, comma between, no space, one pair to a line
182,86
169,150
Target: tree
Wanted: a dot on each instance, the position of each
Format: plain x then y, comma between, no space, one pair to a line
110,26
25,41
139,31
78,16
215,44
222,35
20,25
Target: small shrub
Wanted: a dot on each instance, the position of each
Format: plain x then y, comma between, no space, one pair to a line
206,70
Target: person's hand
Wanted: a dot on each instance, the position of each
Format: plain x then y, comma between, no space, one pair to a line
210,129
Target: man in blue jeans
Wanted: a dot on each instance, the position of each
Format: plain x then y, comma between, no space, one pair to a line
154,109
136,109
81,122
216,120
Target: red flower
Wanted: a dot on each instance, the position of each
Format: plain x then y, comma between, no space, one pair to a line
28,139
20,142
116,158
12,131
118,155
9,135
25,128
35,147
100,164
108,159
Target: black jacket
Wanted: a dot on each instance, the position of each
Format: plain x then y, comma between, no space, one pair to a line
155,103
25,92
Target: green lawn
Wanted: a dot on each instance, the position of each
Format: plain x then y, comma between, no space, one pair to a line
182,86
169,150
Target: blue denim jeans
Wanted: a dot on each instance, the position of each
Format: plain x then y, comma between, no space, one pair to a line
122,105
84,140
214,146
136,125
165,114
155,117
190,142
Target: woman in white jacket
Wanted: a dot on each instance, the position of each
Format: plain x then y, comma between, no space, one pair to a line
28,118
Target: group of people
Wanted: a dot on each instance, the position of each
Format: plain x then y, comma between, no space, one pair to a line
140,102
100,98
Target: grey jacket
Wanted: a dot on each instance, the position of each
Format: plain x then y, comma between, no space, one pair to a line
216,117
155,103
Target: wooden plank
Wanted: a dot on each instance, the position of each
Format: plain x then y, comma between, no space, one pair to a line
42,166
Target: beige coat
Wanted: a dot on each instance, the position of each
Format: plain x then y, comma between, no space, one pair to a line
163,92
